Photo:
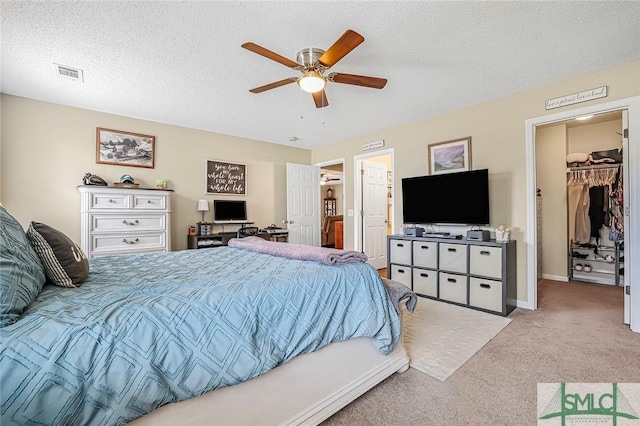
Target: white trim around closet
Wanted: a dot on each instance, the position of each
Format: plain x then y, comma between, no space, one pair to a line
632,191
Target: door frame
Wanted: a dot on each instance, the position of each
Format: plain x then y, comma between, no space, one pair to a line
357,193
344,192
632,191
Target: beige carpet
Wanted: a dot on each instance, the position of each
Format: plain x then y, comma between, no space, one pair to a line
441,337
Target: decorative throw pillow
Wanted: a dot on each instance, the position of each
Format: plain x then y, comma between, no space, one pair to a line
65,264
21,272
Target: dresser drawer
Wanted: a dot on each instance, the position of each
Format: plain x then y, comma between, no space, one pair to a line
109,201
400,251
425,282
402,274
453,287
485,294
130,242
149,202
127,223
453,257
485,261
425,254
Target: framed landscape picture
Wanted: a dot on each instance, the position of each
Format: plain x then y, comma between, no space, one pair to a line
124,148
450,156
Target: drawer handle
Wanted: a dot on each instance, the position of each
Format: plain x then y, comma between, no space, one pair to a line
452,250
452,280
401,271
483,285
422,274
400,245
424,247
485,253
124,240
135,222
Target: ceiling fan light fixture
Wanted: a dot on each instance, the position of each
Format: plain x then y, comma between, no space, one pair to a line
312,82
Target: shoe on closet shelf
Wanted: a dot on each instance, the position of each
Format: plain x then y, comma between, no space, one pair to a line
579,255
609,259
586,267
578,266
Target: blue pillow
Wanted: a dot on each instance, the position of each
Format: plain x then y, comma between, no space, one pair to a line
21,272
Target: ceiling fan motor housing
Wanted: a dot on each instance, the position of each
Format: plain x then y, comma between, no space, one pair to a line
308,57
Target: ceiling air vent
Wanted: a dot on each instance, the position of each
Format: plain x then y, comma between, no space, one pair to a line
69,72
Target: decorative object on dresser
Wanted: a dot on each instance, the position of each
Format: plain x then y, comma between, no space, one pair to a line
124,148
90,179
124,221
450,156
474,274
126,181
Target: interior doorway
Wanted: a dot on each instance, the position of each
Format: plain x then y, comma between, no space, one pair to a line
332,202
630,108
373,203
579,189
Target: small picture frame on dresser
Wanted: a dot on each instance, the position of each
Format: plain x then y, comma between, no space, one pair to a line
124,148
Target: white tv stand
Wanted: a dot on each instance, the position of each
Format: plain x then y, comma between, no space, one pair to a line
475,274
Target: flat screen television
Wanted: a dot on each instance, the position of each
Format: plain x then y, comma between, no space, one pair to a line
228,211
453,199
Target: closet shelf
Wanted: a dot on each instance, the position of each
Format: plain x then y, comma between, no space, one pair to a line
595,167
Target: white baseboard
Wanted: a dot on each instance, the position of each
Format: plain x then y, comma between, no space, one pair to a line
555,277
523,304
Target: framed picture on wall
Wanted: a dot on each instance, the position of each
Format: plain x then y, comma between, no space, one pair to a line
450,156
124,148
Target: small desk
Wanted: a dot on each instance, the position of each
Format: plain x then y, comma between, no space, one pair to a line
222,239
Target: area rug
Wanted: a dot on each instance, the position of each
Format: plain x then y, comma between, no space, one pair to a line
441,337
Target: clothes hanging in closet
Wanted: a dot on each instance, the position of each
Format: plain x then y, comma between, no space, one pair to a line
592,198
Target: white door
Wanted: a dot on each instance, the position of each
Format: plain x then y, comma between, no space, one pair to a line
374,212
303,204
625,180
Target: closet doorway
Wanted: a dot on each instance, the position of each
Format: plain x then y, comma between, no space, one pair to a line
630,108
579,169
332,199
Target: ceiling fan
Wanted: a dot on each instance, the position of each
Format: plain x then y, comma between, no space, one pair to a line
313,62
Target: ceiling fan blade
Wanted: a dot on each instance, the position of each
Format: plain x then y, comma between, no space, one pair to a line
345,44
358,80
270,55
274,85
320,98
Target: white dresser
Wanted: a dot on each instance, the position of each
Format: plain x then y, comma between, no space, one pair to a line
124,221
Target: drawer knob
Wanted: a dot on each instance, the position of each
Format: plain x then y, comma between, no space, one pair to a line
452,280
485,253
483,285
135,222
124,240
110,200
148,201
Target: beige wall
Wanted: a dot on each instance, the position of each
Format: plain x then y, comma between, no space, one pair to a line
551,173
47,148
497,129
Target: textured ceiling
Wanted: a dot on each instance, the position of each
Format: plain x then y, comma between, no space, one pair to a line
181,62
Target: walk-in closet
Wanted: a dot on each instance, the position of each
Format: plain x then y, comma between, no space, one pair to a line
579,168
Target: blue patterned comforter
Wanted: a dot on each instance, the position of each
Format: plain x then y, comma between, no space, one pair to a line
150,329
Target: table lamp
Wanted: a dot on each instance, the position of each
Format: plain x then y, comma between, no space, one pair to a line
203,206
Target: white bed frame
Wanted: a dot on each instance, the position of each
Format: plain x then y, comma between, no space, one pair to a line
305,391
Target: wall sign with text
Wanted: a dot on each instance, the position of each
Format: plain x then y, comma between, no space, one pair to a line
225,178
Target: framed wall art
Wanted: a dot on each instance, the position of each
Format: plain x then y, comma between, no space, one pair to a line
450,156
225,178
124,148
